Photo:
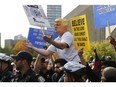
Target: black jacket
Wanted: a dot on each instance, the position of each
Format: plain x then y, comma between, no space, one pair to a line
29,76
6,76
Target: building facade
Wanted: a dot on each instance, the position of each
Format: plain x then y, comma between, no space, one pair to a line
9,43
19,37
53,12
94,34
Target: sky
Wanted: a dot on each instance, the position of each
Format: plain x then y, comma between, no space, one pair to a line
13,20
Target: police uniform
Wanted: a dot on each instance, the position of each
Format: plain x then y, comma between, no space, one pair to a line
5,75
29,76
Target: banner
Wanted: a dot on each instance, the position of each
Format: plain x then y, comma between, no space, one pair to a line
80,32
35,36
104,14
36,15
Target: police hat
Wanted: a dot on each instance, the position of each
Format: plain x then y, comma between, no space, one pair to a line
5,59
72,66
23,55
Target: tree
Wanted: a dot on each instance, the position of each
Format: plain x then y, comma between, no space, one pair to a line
19,46
6,50
103,48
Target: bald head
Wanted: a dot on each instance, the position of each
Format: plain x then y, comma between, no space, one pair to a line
109,74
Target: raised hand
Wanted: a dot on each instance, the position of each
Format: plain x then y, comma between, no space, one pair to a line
28,45
80,51
47,39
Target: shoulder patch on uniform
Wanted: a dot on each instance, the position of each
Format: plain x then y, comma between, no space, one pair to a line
41,79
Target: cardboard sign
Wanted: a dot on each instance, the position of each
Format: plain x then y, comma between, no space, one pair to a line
35,36
36,15
104,14
80,32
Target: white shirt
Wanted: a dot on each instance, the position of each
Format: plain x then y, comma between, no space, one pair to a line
69,54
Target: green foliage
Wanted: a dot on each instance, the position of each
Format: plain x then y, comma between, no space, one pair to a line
19,46
103,48
6,50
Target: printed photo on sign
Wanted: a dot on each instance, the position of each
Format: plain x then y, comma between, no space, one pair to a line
36,15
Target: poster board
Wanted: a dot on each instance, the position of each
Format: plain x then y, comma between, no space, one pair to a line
104,14
36,15
35,36
80,32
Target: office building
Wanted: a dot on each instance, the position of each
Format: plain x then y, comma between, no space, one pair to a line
9,43
53,12
18,37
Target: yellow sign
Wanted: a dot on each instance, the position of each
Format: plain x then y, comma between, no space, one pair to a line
80,32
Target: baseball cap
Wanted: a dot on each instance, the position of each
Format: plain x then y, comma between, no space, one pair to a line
23,55
72,66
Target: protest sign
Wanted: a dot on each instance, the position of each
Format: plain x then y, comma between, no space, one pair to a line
104,14
36,15
35,36
80,32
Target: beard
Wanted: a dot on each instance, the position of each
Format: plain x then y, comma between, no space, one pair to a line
19,67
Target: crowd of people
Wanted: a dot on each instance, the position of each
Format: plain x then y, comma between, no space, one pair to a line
69,66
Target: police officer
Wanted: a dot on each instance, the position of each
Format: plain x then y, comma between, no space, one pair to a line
5,66
25,73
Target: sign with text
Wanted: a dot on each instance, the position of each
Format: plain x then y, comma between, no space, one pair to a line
104,14
35,36
36,15
80,32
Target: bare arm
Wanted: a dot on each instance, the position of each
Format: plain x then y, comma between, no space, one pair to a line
40,51
60,45
80,53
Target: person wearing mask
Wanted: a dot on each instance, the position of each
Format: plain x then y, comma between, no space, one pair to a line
62,45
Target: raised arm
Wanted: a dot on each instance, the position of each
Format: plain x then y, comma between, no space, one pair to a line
80,53
38,50
60,45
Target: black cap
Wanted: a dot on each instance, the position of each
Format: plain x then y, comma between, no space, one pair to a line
23,55
5,59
